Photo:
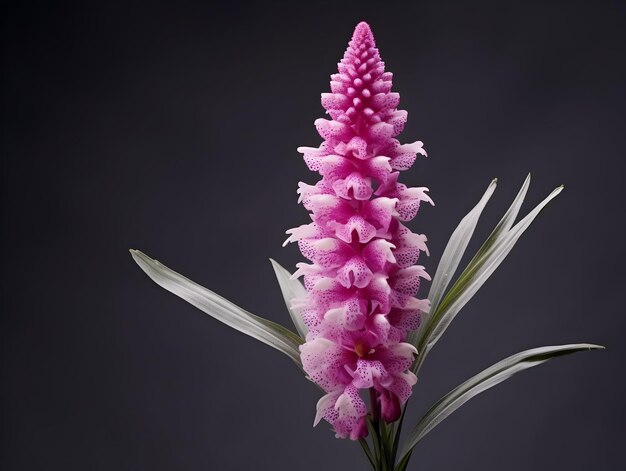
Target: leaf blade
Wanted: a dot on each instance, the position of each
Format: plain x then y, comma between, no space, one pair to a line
484,380
471,280
451,257
220,308
456,246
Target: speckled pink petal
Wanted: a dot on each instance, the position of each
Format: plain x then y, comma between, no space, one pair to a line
349,421
355,272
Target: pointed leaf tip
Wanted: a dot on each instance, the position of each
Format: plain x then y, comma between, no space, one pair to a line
291,289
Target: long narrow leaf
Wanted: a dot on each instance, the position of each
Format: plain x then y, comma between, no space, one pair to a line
456,247
291,289
472,278
488,378
452,255
266,331
498,232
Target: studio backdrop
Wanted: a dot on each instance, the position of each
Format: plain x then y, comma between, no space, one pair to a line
172,128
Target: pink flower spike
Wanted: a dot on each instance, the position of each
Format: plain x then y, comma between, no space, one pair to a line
362,280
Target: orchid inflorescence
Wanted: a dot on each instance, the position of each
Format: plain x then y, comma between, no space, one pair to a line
361,332
361,286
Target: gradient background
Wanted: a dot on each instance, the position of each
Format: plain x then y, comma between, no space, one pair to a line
172,128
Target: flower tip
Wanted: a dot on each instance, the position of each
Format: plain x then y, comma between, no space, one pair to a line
363,33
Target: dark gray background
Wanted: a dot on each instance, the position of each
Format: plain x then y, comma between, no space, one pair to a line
172,128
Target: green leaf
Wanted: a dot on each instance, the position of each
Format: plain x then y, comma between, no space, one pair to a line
481,382
291,289
266,331
489,257
438,286
452,256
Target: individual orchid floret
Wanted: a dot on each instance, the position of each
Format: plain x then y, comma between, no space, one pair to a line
363,278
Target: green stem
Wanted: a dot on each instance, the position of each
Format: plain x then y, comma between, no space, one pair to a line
373,431
396,438
404,463
382,434
374,406
368,452
386,449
